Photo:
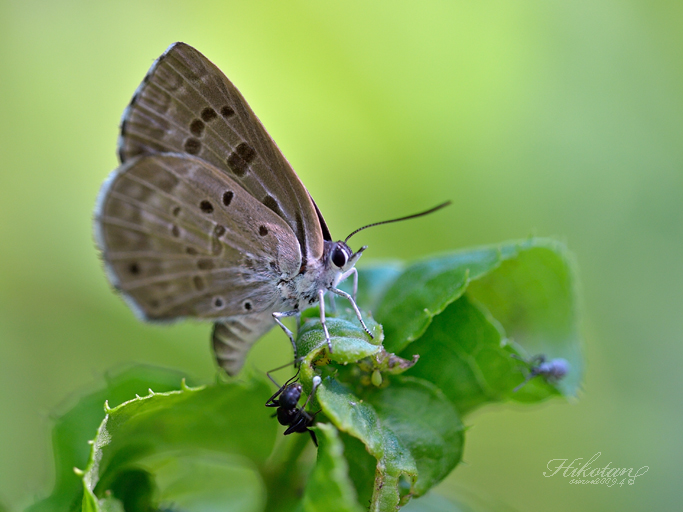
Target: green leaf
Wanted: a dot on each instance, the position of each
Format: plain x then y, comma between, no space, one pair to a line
409,427
211,429
525,296
424,421
360,420
424,289
465,355
350,342
533,296
110,504
329,486
362,467
203,481
75,427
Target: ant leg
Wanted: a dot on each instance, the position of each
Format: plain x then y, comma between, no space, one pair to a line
315,439
536,360
316,382
527,379
342,293
270,402
299,422
280,368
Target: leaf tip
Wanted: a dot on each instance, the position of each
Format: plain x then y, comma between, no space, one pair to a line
107,409
79,472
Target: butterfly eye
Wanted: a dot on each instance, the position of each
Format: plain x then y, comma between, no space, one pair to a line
339,257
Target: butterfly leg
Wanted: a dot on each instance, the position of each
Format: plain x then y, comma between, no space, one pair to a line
321,299
342,293
354,272
333,304
276,316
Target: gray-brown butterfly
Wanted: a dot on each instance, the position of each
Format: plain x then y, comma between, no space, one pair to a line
205,217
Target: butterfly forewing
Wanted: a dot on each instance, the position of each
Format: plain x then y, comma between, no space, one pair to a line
187,105
181,238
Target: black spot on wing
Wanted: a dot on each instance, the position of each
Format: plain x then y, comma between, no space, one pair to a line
239,160
192,146
208,115
227,111
197,127
205,264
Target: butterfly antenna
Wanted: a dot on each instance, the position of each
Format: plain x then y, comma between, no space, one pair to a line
427,212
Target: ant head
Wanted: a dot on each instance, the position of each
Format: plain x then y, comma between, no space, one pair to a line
290,396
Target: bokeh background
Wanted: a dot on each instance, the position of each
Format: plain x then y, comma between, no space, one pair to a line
544,117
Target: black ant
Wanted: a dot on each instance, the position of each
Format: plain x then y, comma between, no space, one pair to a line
287,411
552,370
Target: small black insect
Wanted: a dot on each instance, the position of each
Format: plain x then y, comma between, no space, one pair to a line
297,419
553,370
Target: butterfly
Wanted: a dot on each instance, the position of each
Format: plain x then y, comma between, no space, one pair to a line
205,217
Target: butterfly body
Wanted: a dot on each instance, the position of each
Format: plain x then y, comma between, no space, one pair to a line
205,218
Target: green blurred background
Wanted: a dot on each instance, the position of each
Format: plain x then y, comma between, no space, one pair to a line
544,117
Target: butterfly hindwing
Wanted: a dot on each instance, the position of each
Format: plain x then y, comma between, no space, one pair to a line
181,238
187,105
232,339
